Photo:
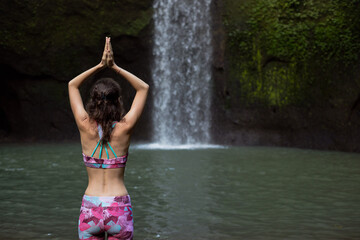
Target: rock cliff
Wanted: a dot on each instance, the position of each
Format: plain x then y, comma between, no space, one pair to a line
45,44
286,73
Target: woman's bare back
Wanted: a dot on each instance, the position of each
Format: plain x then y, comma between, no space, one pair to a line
105,182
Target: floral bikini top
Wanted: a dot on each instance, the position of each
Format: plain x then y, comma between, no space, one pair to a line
93,162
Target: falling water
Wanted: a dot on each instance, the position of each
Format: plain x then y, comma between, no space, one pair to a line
182,71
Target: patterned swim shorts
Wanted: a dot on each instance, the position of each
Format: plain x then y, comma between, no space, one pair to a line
106,214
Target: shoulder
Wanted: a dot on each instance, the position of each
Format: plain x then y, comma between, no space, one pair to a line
121,126
87,126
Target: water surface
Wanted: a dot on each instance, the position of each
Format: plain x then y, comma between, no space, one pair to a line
219,193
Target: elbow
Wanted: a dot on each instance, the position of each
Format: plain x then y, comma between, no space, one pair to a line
71,84
146,87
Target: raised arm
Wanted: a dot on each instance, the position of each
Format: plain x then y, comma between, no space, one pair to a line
76,102
140,86
139,101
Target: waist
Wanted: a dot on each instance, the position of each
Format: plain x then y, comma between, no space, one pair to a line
98,187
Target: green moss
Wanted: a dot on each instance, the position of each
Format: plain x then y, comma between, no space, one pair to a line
285,52
140,23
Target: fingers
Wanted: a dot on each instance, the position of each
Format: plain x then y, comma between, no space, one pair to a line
108,57
110,47
105,55
107,43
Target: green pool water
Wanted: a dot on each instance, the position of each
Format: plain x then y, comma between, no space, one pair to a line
206,193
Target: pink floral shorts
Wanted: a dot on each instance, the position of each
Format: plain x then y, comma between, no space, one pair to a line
106,214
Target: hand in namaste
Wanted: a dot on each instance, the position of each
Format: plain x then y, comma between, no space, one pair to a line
107,59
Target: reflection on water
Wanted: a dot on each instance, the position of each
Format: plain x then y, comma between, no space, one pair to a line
218,193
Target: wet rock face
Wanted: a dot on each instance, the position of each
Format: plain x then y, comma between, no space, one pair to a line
46,43
58,38
266,96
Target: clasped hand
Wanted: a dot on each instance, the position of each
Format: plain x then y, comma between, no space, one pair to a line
107,59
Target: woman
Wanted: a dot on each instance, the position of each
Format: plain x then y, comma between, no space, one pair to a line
105,137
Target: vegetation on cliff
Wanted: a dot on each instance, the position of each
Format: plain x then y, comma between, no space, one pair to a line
291,52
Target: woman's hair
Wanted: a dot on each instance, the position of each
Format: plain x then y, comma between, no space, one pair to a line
105,105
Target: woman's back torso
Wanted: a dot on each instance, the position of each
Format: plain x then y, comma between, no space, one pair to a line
105,181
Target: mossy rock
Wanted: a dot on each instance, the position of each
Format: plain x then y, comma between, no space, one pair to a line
289,52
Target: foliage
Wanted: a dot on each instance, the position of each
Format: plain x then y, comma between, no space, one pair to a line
286,51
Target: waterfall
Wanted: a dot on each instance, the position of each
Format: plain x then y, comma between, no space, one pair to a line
181,72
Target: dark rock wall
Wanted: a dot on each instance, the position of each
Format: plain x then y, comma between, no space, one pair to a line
287,73
272,86
45,44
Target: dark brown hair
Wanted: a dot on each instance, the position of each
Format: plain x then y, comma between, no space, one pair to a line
105,105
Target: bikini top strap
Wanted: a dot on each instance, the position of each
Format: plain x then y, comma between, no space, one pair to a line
101,147
100,131
107,153
97,145
112,149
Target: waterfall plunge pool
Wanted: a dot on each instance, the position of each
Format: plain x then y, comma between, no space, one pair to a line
204,193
